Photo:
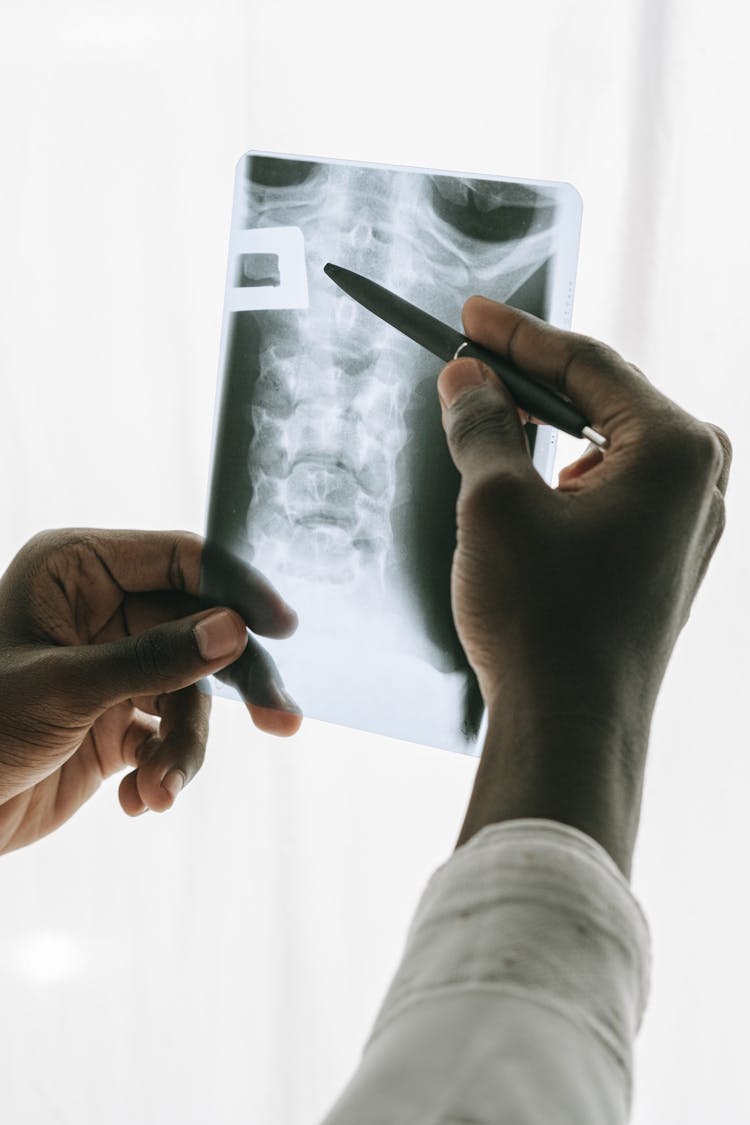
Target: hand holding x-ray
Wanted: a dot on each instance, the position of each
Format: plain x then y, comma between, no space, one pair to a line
102,641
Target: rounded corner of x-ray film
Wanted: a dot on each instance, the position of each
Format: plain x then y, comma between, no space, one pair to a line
570,196
241,164
267,270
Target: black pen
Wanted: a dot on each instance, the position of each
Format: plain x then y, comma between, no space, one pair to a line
449,344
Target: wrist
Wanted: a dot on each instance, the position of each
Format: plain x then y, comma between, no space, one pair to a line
580,767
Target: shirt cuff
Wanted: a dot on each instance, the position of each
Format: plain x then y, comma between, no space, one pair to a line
535,908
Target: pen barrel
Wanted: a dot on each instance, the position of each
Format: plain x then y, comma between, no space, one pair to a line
540,402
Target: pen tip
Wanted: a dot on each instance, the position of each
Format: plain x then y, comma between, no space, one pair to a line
330,269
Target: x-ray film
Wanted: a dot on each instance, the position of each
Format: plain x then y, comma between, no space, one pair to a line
331,473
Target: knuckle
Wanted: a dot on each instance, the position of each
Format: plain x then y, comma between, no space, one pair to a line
51,540
74,543
725,445
41,542
705,451
52,551
589,350
721,517
185,560
190,541
641,375
688,449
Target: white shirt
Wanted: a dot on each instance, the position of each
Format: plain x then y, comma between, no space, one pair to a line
519,995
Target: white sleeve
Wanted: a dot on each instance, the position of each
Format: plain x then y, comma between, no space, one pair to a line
519,995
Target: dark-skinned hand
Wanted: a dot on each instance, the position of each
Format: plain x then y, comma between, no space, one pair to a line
99,663
571,598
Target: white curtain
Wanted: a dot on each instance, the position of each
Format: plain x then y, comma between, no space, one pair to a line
223,962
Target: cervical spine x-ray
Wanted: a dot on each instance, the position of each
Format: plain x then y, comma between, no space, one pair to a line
331,473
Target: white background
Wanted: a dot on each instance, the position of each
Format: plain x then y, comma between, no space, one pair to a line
224,962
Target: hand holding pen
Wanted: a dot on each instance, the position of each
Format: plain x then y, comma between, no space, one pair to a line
569,600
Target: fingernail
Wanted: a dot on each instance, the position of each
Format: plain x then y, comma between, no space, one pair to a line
216,636
456,379
173,782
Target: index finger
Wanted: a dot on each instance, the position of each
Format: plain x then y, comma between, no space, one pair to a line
592,375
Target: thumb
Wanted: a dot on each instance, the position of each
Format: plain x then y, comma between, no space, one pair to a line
485,435
162,659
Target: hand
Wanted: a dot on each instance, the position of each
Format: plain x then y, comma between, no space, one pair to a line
99,659
570,600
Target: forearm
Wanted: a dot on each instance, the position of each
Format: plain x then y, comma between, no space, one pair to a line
586,772
521,989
